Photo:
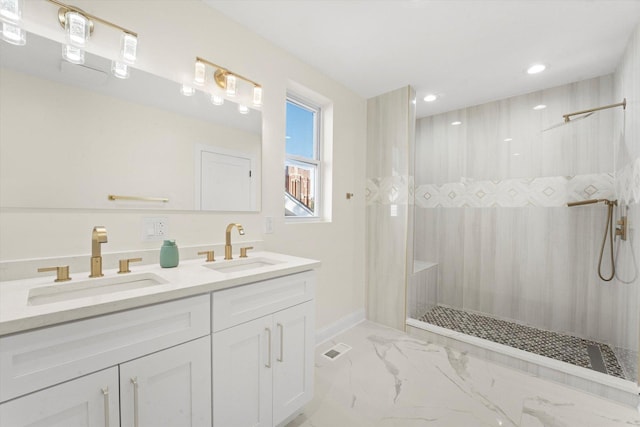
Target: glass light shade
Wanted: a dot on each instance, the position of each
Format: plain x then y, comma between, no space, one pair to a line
231,85
120,69
77,27
13,34
257,96
187,90
243,109
199,74
73,54
129,46
217,100
11,10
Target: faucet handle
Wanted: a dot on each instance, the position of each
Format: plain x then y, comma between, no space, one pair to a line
62,272
124,265
209,255
243,251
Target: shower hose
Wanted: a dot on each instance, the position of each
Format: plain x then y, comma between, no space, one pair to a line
608,230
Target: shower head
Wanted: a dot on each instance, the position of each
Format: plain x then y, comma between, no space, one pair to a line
566,122
592,201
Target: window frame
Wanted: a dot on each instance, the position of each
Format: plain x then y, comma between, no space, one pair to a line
317,162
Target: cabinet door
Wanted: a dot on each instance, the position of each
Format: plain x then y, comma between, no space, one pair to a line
242,375
294,358
90,401
168,388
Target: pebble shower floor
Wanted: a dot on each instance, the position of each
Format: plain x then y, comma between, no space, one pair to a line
565,348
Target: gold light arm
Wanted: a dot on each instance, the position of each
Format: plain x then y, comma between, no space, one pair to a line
221,71
141,199
89,16
623,104
592,201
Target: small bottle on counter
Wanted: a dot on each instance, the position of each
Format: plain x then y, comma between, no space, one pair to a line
169,255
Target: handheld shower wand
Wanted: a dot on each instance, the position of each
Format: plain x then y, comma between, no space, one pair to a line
608,230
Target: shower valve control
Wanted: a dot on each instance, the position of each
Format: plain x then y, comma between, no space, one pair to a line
621,227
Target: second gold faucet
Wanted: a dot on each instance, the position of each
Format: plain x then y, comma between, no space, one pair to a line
228,251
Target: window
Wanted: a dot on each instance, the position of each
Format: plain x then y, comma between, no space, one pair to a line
303,162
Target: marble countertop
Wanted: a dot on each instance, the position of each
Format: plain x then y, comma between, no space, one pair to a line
191,277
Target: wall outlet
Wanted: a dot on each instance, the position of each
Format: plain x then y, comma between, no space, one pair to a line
155,228
268,225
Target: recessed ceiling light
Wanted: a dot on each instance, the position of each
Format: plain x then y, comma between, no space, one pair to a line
536,68
540,107
456,123
430,98
508,139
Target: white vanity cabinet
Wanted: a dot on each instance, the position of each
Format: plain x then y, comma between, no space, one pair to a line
263,349
89,401
61,375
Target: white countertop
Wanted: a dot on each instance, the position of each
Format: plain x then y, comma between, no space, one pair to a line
190,278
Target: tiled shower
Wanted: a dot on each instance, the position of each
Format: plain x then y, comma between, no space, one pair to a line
495,243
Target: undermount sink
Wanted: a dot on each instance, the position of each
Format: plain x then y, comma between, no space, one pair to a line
244,264
92,287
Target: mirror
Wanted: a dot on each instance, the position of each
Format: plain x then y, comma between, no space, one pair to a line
72,135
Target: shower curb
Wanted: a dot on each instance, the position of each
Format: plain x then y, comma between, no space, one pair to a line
603,385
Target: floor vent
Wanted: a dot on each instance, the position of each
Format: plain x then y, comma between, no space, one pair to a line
336,351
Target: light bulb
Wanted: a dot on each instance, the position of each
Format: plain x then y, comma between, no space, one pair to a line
77,27
73,54
217,100
199,74
11,10
231,85
13,34
120,69
129,46
430,98
257,96
243,109
187,90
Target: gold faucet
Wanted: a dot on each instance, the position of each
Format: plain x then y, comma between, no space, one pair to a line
227,246
98,236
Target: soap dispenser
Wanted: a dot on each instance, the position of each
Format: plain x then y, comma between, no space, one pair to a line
169,255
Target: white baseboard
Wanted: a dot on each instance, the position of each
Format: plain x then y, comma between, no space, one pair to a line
325,334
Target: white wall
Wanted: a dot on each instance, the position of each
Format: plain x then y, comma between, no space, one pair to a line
171,35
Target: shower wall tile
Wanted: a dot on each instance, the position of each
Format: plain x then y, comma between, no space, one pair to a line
388,193
507,138
546,191
451,260
627,85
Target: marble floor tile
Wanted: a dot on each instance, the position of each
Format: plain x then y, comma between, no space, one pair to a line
391,379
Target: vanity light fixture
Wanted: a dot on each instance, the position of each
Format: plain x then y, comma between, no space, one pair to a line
430,97
226,80
257,96
11,16
536,68
243,109
217,100
187,90
540,107
79,26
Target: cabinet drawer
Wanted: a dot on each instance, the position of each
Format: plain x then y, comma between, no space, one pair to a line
33,360
233,306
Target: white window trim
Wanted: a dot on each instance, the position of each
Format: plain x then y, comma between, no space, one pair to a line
319,198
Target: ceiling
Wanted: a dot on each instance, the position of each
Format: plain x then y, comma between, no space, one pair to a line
468,52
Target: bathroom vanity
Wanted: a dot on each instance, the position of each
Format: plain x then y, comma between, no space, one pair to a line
227,343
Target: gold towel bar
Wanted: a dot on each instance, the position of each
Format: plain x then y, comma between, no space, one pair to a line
142,199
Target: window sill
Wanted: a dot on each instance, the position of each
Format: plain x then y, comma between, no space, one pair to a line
305,220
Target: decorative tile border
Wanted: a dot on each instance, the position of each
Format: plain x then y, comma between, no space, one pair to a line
545,192
628,183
